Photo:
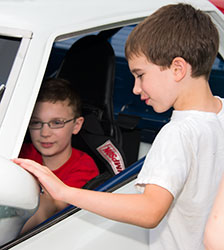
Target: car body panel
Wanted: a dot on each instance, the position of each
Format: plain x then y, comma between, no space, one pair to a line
89,231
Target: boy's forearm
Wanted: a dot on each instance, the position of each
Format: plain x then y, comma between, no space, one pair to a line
47,208
139,209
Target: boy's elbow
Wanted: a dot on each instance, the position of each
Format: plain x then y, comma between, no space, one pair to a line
155,205
151,222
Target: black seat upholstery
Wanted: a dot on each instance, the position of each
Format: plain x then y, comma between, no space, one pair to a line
90,66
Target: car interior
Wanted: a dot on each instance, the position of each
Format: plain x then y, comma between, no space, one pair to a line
89,65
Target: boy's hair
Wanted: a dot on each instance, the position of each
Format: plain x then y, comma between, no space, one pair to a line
57,89
176,31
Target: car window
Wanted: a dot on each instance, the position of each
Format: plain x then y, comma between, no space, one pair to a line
119,39
8,50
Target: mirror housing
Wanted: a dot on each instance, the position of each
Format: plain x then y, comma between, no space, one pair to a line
19,199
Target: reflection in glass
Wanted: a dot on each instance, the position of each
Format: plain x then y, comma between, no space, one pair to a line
11,222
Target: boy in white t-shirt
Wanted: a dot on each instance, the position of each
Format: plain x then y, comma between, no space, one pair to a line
170,54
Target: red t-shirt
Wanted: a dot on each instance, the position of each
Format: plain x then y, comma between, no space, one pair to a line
76,172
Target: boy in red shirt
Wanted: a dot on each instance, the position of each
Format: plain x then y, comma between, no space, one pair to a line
56,116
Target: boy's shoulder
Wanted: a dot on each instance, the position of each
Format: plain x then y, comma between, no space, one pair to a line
189,123
29,151
81,156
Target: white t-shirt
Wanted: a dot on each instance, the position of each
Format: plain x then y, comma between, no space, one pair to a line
187,159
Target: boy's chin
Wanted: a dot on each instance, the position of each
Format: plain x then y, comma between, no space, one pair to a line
158,109
46,152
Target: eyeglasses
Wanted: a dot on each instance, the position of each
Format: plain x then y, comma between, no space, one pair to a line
54,124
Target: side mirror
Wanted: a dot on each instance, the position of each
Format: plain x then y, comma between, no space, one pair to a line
19,199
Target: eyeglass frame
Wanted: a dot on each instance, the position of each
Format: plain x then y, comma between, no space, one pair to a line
48,123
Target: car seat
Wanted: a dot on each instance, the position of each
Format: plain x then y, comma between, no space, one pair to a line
90,66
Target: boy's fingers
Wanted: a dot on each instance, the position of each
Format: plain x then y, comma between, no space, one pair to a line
31,166
21,160
49,182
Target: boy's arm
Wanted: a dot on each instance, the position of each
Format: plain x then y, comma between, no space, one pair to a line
47,207
145,210
214,230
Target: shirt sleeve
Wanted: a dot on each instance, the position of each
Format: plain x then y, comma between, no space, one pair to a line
168,162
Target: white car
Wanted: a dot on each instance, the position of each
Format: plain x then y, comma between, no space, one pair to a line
35,36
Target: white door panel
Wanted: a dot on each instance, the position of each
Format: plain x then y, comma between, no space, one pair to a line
84,231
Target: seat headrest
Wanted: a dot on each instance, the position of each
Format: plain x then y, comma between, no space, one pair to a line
95,55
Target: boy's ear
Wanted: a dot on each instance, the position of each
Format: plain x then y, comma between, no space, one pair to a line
179,68
78,125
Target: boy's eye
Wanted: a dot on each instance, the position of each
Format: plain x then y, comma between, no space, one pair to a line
35,123
139,76
56,122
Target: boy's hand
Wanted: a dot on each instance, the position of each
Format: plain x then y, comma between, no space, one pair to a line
48,180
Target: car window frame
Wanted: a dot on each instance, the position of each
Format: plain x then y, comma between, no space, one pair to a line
25,37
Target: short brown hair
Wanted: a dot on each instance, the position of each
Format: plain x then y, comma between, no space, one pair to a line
57,89
177,30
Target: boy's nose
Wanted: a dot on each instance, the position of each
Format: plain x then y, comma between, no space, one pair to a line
45,130
137,88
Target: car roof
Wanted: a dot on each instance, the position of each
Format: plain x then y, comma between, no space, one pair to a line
55,16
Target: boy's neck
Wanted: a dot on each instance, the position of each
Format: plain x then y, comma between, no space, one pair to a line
197,95
56,161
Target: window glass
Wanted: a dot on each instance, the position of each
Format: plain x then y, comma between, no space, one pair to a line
8,50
